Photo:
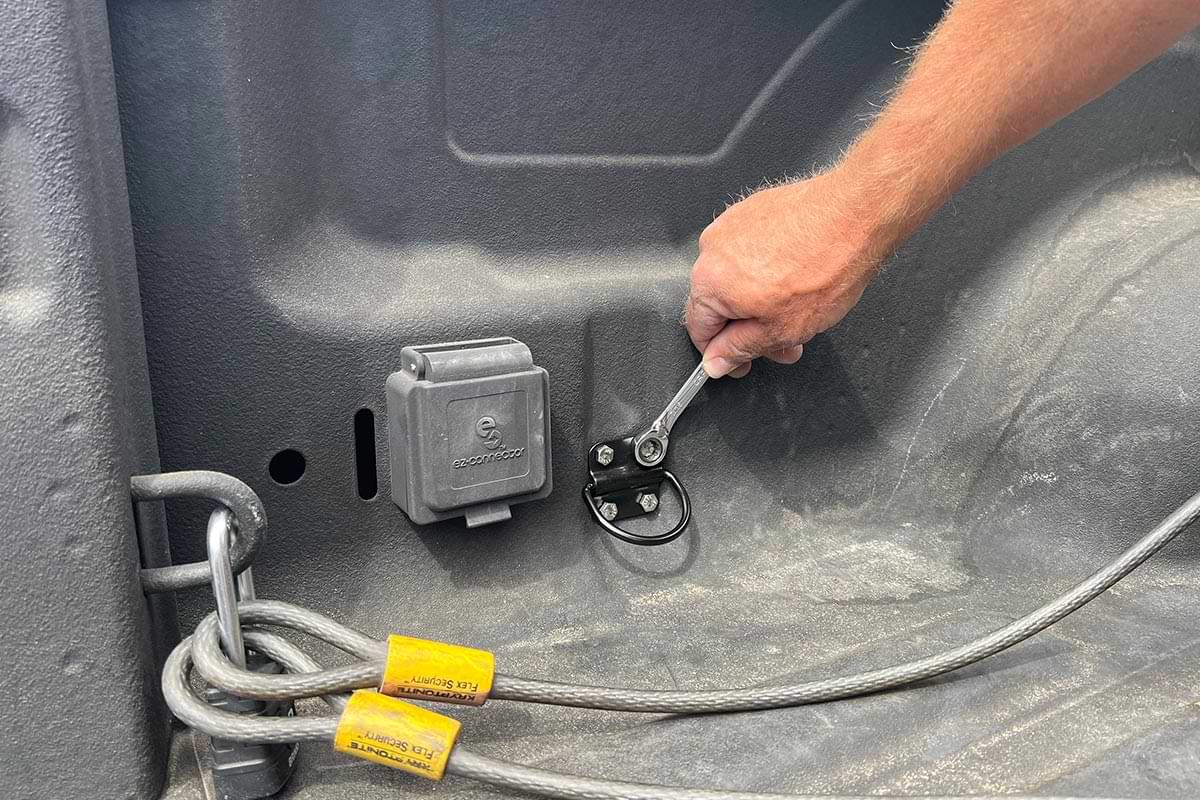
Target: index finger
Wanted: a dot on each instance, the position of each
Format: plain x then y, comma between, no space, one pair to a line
705,316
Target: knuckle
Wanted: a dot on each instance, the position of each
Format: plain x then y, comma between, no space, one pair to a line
779,333
707,301
703,271
747,345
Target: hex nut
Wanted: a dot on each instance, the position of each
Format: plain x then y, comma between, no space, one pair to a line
650,450
608,511
648,501
604,455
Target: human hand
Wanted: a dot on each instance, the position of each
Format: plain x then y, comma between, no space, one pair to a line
777,268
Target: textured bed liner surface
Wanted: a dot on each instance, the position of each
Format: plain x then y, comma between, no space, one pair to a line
1015,400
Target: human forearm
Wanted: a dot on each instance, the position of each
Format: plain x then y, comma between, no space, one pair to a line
991,75
790,261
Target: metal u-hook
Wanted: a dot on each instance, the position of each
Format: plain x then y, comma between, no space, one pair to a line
221,527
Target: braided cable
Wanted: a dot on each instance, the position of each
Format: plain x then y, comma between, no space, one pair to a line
219,671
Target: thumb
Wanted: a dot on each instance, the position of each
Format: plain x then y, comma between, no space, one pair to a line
739,342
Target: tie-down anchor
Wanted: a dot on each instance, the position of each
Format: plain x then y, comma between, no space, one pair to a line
626,475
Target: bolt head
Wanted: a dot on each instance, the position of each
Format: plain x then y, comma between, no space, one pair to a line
604,455
608,511
648,502
650,449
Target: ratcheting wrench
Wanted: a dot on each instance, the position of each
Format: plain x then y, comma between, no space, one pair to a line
650,446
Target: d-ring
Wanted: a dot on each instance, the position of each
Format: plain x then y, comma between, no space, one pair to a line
685,516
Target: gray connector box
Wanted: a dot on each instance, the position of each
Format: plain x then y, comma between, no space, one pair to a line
468,430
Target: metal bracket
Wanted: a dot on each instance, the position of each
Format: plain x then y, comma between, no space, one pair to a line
620,488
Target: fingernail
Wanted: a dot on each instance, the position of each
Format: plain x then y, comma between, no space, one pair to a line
719,367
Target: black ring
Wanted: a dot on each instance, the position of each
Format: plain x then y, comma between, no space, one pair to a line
634,538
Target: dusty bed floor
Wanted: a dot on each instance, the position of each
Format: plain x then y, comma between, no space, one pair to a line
1102,705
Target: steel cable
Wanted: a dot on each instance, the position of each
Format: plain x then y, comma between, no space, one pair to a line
212,664
531,780
200,716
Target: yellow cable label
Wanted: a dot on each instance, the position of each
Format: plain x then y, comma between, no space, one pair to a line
425,670
395,733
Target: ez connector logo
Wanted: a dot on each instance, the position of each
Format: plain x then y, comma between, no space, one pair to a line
493,440
486,429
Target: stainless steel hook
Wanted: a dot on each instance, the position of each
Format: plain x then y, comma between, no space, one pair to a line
221,527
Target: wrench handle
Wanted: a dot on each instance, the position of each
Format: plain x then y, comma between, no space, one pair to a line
666,420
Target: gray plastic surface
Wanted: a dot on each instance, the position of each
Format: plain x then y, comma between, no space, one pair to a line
468,431
1015,398
80,716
